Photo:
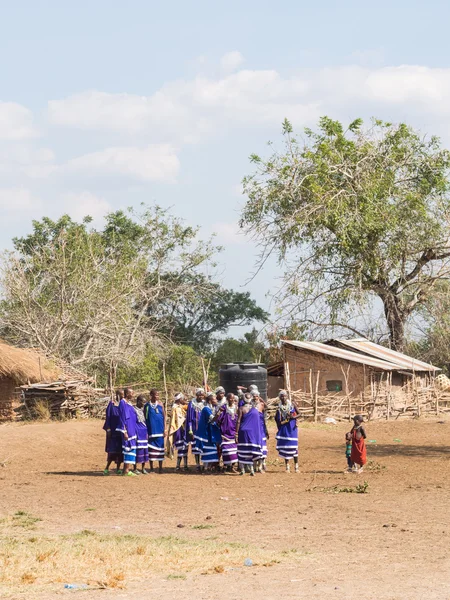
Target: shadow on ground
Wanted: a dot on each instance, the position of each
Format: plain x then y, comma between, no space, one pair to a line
399,449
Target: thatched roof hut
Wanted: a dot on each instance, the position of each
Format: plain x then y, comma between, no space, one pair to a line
19,366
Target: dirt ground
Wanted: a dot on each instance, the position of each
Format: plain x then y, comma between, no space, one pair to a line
388,543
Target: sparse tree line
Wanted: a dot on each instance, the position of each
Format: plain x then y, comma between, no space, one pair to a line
358,219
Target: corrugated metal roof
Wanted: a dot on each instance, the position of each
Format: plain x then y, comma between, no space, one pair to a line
344,354
407,362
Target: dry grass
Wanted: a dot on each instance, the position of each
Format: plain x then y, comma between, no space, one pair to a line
109,561
22,365
42,410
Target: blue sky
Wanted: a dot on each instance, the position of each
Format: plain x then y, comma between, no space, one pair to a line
105,104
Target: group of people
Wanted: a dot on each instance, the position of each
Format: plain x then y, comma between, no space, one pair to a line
222,431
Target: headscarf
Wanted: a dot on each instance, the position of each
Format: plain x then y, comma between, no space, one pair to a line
285,409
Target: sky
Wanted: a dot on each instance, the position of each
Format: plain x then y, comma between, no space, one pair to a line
107,104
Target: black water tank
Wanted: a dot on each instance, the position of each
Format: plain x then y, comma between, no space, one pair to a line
233,374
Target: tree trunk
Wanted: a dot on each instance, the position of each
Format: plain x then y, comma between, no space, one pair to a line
396,320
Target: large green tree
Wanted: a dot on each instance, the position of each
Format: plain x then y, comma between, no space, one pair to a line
206,310
353,214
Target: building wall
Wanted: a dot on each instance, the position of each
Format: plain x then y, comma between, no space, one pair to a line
274,385
305,368
7,398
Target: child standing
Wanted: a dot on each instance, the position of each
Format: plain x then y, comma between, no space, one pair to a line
359,454
348,451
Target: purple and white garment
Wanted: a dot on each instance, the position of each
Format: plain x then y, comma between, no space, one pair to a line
287,435
155,419
249,446
263,433
228,421
192,419
128,425
141,437
113,445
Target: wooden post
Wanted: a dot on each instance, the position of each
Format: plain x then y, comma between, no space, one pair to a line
311,393
388,395
165,390
316,397
287,373
346,391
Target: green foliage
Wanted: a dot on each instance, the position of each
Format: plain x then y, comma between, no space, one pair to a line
205,310
142,369
183,366
352,214
246,349
434,322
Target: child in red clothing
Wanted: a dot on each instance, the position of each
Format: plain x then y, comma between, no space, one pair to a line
359,454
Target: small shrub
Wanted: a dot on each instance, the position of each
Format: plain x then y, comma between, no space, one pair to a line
28,578
42,410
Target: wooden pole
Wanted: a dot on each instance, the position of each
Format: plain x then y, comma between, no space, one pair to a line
388,395
345,375
311,388
165,390
316,397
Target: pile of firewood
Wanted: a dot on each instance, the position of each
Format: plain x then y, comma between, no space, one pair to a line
63,399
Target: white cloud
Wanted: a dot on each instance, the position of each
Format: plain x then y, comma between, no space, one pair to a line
80,205
231,61
152,163
19,160
16,122
194,110
17,202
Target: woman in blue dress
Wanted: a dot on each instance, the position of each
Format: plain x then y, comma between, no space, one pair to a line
208,437
287,436
155,419
128,428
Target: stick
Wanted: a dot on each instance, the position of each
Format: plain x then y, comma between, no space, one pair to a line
316,397
165,389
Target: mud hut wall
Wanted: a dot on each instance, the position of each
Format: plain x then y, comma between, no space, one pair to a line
274,385
8,398
305,366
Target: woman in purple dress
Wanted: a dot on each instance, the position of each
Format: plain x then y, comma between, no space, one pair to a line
287,436
249,446
195,407
141,437
261,406
113,437
227,420
127,427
